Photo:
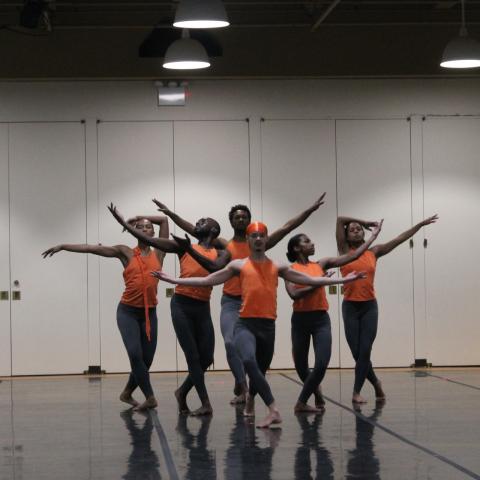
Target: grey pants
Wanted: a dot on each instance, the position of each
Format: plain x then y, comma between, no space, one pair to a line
228,319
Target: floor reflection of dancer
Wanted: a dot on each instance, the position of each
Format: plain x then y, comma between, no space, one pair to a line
310,319
201,461
190,307
143,461
359,307
255,330
235,248
136,312
311,442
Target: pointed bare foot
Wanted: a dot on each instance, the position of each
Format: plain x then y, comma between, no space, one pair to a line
126,396
319,400
238,399
379,393
150,402
357,398
305,408
272,420
203,410
249,406
182,403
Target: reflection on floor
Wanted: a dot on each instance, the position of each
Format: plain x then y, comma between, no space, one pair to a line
75,428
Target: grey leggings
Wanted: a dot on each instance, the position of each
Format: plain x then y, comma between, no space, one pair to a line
193,325
360,320
315,325
254,340
228,319
131,323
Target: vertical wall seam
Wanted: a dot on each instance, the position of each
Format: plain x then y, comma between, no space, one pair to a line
9,247
86,238
413,248
339,307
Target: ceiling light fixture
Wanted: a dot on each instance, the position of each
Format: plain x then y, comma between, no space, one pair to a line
186,54
461,51
200,14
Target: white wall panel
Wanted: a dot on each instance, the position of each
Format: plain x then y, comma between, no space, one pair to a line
5,364
135,164
298,164
452,189
47,191
211,175
374,182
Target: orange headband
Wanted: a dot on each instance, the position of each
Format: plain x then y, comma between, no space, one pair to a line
257,227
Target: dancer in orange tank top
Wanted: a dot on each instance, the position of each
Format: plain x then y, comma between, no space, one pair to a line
310,319
190,308
255,329
359,306
136,312
235,248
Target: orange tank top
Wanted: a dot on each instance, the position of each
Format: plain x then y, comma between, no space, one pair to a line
361,290
237,251
140,286
189,267
259,281
316,299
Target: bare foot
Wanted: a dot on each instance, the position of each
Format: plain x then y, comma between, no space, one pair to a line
203,410
271,420
126,396
238,399
305,408
379,393
357,398
182,403
319,400
150,402
249,406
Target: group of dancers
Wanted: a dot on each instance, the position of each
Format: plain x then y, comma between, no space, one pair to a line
249,302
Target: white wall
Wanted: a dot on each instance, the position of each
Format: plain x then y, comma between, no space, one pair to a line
337,103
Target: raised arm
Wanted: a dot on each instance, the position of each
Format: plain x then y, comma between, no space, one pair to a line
351,255
383,249
223,256
216,278
293,223
298,277
341,234
122,252
176,219
163,244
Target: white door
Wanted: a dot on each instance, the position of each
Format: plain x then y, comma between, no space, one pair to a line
298,164
135,164
5,364
48,207
374,182
452,189
211,175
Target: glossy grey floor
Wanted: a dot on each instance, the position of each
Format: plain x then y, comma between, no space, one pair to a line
75,428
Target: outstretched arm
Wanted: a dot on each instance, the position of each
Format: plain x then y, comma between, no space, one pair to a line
297,293
341,234
351,255
293,223
122,252
223,256
383,249
164,244
297,277
216,278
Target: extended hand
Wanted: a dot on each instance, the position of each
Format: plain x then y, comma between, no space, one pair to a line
118,216
163,276
430,220
377,229
51,251
355,276
161,206
319,202
183,243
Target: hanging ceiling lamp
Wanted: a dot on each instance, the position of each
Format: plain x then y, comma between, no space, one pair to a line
461,51
186,54
200,14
